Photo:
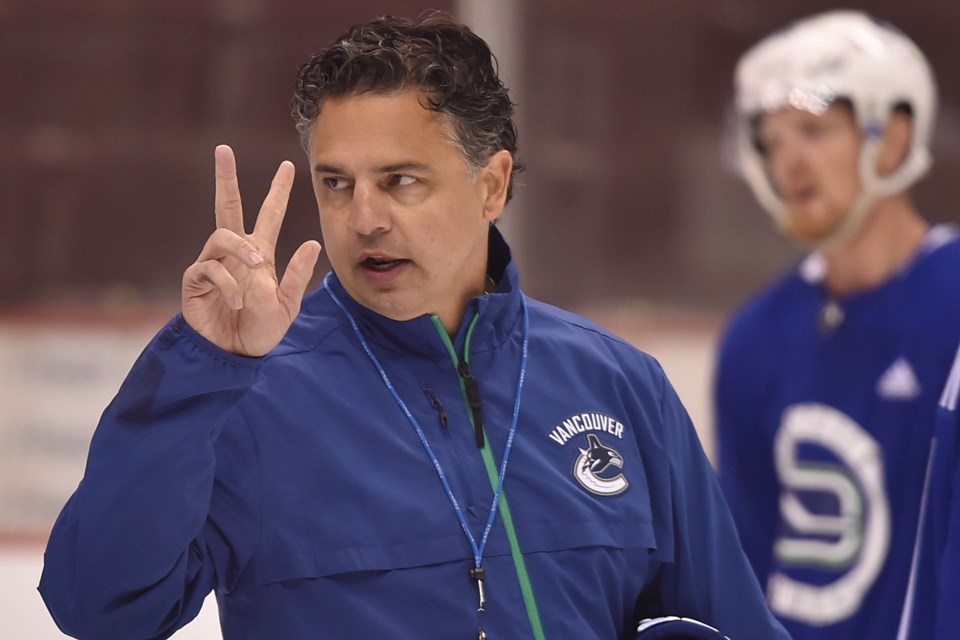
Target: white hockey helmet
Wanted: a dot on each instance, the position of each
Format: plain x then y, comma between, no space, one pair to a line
823,58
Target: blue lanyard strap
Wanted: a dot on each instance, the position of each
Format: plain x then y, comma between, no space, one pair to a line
477,549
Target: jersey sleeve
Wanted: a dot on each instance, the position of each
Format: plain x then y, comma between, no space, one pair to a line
708,576
137,547
745,463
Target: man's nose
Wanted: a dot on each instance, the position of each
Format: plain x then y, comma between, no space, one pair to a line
786,162
369,210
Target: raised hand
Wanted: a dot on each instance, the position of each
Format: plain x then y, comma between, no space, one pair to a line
231,295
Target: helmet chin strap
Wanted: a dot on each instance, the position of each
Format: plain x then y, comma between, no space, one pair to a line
851,224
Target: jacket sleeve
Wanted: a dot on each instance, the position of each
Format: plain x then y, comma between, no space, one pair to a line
136,550
704,573
745,464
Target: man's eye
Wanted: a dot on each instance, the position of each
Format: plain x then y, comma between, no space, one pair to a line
335,184
766,146
400,180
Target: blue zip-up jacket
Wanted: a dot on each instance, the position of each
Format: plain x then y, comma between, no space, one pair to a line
295,487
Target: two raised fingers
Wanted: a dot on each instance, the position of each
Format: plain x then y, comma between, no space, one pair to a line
231,242
228,207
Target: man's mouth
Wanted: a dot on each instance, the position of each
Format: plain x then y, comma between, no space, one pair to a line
381,264
802,196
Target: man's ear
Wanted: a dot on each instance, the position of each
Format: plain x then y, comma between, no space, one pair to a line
896,143
495,178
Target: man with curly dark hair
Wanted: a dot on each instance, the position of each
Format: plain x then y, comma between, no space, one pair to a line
415,450
446,57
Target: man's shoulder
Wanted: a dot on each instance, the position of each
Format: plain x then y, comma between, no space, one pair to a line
939,257
584,339
561,321
929,288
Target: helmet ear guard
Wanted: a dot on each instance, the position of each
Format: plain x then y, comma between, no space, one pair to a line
814,62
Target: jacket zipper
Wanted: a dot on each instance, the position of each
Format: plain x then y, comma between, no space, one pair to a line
468,383
472,390
437,405
444,419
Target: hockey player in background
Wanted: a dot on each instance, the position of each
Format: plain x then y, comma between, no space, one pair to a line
828,381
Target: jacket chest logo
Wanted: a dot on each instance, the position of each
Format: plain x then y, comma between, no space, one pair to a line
599,466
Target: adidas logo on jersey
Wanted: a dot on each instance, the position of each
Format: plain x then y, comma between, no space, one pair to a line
898,382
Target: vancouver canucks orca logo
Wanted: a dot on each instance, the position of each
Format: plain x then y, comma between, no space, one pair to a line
592,468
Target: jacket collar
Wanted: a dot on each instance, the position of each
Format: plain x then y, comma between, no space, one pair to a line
499,313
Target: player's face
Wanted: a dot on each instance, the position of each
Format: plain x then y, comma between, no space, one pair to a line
813,161
405,225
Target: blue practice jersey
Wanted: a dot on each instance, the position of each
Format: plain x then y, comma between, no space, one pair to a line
931,611
825,410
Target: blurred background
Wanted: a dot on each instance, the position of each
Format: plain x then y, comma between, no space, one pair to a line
630,210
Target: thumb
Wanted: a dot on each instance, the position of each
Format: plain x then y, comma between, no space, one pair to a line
298,274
